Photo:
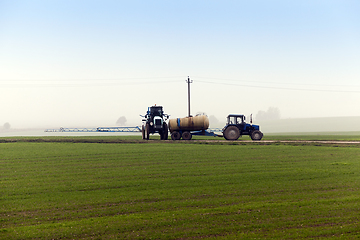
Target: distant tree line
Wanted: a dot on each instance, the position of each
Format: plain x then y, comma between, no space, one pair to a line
121,121
273,113
6,126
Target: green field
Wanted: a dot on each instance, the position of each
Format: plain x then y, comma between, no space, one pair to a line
111,188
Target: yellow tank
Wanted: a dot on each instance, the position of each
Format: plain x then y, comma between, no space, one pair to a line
197,123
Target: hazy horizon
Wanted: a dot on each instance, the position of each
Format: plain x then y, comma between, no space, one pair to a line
87,63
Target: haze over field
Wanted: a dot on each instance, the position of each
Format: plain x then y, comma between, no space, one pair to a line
87,63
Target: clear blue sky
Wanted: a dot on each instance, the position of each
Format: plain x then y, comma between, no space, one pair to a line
86,63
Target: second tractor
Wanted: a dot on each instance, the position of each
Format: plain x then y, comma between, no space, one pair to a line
236,127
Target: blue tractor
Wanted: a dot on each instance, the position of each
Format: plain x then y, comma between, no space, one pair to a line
155,122
236,127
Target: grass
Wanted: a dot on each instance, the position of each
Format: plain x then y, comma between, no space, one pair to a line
155,190
320,136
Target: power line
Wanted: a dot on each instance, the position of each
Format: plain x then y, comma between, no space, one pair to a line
298,84
87,79
281,88
110,82
78,83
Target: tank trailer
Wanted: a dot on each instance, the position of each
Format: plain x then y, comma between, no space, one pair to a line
186,127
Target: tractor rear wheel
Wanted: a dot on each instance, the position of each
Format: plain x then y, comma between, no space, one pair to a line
175,136
165,132
231,133
256,135
161,133
186,136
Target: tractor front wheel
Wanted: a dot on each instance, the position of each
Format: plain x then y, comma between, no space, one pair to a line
186,136
175,136
256,135
143,132
165,132
147,131
231,133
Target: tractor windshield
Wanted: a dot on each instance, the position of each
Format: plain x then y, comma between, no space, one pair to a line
156,111
232,120
235,119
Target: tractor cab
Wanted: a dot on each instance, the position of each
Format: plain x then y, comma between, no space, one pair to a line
234,119
156,111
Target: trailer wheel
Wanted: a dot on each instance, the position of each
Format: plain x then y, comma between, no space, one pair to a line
143,132
147,131
256,135
165,132
231,133
175,136
186,136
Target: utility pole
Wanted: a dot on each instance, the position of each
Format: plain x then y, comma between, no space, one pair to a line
188,81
